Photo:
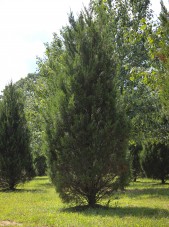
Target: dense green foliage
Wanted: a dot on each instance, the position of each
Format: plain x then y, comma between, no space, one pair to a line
118,35
163,54
89,143
155,161
40,165
135,150
29,87
15,156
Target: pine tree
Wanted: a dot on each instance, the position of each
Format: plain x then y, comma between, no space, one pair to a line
87,151
15,156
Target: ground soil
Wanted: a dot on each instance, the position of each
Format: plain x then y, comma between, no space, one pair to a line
9,223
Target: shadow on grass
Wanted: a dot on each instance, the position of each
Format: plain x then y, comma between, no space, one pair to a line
153,192
119,211
46,185
23,191
150,182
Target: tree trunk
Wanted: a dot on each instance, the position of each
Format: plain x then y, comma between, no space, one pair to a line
135,179
92,200
162,180
11,186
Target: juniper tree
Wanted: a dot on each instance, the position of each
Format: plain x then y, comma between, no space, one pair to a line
87,148
155,161
15,156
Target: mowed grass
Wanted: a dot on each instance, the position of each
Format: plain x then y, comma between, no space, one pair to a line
143,204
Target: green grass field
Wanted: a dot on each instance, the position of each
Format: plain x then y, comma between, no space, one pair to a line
143,204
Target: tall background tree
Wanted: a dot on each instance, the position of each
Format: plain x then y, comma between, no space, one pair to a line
31,87
15,155
163,55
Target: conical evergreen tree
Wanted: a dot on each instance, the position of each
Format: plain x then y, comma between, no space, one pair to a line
88,148
15,157
155,161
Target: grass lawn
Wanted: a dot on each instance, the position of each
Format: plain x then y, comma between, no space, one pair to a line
143,204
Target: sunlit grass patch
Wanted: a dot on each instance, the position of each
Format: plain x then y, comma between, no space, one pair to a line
144,203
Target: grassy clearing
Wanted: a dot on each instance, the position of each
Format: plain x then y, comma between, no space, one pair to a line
144,203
